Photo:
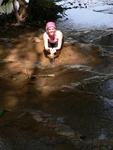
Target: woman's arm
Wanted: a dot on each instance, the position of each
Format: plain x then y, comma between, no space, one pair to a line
45,39
60,40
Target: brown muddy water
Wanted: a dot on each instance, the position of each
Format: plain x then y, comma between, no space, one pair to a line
68,106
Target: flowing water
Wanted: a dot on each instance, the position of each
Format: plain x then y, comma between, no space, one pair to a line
63,107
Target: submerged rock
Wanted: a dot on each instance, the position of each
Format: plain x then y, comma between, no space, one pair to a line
71,53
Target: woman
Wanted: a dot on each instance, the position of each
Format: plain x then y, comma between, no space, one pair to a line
53,40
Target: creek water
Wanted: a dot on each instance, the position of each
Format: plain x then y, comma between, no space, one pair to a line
65,107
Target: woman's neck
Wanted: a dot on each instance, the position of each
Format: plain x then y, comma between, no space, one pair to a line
52,37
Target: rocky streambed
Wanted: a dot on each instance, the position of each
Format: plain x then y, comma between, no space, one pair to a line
65,106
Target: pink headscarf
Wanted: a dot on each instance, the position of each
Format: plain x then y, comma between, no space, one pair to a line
50,24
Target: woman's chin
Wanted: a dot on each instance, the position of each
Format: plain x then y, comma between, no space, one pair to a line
51,33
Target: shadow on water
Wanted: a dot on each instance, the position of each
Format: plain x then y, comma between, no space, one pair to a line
66,106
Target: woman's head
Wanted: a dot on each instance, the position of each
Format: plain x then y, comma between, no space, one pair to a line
51,28
50,24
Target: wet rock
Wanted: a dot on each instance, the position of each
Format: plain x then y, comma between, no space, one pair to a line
105,40
107,88
74,54
4,144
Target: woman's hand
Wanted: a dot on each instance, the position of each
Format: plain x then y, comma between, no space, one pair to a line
52,50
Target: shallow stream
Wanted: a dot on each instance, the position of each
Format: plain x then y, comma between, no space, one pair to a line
65,107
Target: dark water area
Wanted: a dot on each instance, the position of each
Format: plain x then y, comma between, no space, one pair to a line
63,107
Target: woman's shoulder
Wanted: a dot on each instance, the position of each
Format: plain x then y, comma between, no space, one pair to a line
45,34
59,32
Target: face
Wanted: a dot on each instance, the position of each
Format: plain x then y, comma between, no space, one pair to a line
51,31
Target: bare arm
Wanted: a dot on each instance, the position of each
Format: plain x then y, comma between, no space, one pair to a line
60,40
45,39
